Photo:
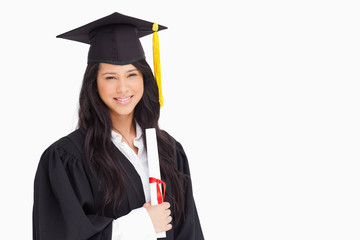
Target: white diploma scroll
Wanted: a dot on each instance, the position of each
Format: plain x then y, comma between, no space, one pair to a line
154,168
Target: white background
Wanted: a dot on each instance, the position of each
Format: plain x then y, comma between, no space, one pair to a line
263,95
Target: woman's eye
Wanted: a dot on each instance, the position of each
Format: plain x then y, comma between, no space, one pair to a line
110,78
132,75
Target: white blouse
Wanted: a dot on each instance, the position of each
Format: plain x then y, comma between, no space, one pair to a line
128,227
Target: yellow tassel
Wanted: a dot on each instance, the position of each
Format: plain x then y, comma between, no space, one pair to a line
156,58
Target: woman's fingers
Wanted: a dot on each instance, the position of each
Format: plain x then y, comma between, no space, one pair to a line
160,216
166,205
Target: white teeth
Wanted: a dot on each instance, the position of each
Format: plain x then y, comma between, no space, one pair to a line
123,99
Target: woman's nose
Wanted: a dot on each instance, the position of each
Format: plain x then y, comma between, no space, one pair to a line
121,87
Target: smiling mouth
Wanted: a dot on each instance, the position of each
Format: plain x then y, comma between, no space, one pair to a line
124,100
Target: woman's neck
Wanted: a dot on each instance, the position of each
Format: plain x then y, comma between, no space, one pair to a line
124,125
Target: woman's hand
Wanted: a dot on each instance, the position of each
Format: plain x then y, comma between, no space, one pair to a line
160,216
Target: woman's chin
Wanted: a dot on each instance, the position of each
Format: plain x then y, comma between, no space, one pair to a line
123,112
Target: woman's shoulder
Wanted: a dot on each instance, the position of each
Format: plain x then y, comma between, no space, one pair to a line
179,153
169,137
72,142
69,147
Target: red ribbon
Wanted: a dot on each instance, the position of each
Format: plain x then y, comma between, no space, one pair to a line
160,198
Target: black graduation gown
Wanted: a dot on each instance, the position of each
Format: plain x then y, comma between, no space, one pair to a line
67,199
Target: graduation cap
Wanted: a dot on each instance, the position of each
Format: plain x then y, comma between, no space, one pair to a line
114,39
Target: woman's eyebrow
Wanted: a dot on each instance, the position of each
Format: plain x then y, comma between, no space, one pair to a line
113,73
108,73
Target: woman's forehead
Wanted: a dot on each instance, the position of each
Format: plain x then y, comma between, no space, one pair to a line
116,68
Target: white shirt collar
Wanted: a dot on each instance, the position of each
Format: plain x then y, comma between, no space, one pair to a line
138,131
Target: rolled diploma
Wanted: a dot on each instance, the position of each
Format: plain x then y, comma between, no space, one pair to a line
154,167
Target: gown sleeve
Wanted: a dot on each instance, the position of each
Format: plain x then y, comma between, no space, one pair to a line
190,228
61,193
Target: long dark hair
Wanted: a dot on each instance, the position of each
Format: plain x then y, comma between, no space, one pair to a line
95,121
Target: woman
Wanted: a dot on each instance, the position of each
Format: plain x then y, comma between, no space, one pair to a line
94,183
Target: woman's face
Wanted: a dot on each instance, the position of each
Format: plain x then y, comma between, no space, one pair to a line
120,87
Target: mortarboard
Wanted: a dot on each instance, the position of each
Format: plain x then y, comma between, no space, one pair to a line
114,39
